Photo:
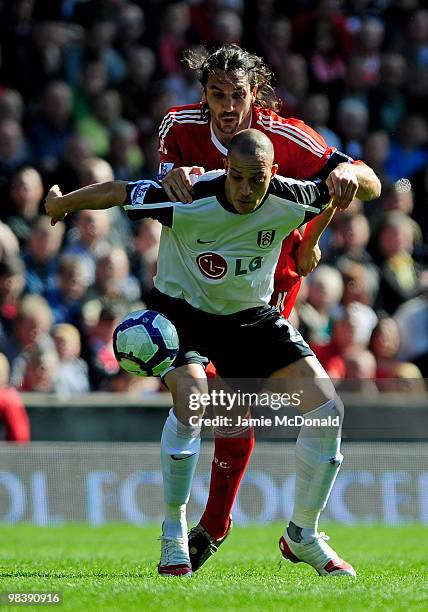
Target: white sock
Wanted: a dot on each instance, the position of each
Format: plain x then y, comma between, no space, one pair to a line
318,461
180,446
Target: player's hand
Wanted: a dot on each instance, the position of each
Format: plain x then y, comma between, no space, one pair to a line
307,257
53,205
178,183
342,183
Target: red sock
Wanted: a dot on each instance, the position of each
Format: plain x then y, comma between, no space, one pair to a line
231,457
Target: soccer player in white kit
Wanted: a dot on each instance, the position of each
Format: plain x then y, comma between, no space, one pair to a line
215,277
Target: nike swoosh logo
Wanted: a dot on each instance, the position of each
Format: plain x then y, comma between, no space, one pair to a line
180,458
199,241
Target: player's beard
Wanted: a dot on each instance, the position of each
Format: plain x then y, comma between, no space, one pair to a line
228,127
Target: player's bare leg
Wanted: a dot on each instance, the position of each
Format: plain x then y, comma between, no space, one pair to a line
180,446
318,461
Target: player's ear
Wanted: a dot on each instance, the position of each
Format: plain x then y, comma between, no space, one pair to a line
254,93
274,169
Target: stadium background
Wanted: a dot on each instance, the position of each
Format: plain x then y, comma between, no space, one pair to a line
83,89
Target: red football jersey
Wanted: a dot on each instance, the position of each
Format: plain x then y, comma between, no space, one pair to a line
188,139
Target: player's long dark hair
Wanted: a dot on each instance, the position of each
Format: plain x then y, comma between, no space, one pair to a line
229,58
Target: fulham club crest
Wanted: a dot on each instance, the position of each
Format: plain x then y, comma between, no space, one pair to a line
265,238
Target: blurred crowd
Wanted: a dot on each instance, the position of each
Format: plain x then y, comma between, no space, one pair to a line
84,85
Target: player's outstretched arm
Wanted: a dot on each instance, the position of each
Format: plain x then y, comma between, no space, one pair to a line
92,197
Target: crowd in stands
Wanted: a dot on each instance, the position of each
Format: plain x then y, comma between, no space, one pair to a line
84,86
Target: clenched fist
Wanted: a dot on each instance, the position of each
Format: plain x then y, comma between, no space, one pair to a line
342,183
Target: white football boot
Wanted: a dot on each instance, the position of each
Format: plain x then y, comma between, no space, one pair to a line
317,553
175,559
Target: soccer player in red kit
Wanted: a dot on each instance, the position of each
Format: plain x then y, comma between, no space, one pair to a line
237,94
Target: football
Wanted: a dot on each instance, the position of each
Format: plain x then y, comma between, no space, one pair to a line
145,343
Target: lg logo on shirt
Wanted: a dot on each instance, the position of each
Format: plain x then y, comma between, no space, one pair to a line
214,266
254,264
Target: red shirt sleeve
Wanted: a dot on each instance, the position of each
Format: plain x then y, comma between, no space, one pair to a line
169,149
300,151
310,153
14,416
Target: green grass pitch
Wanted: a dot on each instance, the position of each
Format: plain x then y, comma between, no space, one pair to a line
113,568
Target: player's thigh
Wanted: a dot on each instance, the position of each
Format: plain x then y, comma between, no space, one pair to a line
276,351
307,378
187,383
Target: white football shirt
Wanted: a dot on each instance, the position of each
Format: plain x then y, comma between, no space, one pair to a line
216,259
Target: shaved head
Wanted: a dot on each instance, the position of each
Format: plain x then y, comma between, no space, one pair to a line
250,168
252,143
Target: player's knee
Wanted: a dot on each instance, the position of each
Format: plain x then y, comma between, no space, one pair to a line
333,410
189,393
